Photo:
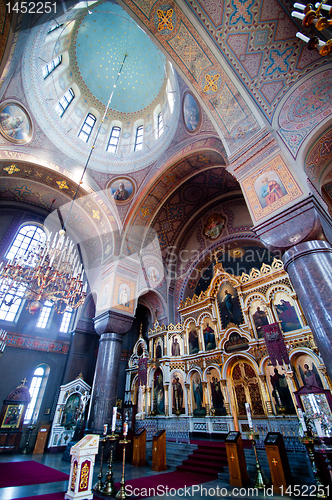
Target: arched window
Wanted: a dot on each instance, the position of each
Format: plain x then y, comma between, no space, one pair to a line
11,294
64,102
160,124
87,127
139,138
66,320
114,140
37,390
51,66
44,314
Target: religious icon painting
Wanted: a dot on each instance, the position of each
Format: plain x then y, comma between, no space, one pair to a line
307,372
208,335
229,305
279,389
177,393
71,411
236,343
269,188
193,339
15,123
199,409
12,417
120,189
158,348
214,388
214,226
259,315
176,345
286,312
191,112
158,393
123,294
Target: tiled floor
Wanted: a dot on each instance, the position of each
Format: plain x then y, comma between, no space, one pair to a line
219,488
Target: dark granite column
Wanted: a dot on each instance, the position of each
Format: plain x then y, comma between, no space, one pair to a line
309,266
111,326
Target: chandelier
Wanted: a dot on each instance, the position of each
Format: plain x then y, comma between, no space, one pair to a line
51,271
312,18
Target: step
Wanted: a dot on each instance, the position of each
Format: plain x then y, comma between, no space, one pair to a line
204,471
210,455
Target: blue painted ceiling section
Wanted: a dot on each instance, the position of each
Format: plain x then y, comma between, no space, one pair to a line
103,39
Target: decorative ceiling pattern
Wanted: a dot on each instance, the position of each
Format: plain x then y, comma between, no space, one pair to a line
173,216
184,44
257,37
318,158
103,38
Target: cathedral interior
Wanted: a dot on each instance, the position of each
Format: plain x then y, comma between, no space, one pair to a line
185,149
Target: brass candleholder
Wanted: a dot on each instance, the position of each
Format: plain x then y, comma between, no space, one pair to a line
26,448
122,493
109,488
260,480
309,441
99,484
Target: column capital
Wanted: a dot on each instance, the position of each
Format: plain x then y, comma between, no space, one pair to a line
307,220
112,322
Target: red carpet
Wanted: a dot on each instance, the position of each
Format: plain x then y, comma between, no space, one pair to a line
28,472
172,480
208,459
50,496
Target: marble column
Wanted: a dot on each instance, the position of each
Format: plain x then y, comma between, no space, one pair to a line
111,326
309,265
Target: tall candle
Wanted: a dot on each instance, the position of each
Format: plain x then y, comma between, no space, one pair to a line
105,429
125,429
247,405
301,418
114,418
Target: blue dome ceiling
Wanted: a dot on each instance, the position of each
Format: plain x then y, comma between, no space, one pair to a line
103,38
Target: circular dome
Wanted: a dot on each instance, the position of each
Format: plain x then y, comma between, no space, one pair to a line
69,70
104,39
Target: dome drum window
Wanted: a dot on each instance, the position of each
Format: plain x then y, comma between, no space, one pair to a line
64,102
87,127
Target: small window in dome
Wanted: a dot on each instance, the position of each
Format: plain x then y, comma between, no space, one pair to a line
65,101
160,124
114,140
51,66
139,138
87,127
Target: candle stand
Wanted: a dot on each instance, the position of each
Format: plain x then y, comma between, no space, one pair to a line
122,493
260,479
309,441
99,484
26,448
109,488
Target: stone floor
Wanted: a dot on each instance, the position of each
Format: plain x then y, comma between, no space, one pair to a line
218,488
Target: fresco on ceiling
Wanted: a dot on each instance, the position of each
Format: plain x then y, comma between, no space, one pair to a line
229,305
269,188
191,113
214,226
120,189
286,312
15,124
235,261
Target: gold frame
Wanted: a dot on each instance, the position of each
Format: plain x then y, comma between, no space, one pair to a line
27,139
17,423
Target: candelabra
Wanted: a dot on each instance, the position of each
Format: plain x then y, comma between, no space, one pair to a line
99,484
109,488
50,271
260,479
26,448
121,494
312,18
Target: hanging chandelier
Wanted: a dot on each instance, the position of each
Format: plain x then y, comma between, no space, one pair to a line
320,19
50,272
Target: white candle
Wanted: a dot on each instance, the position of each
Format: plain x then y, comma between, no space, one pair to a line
299,6
319,429
302,37
114,418
301,418
299,15
125,429
324,7
247,405
105,429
